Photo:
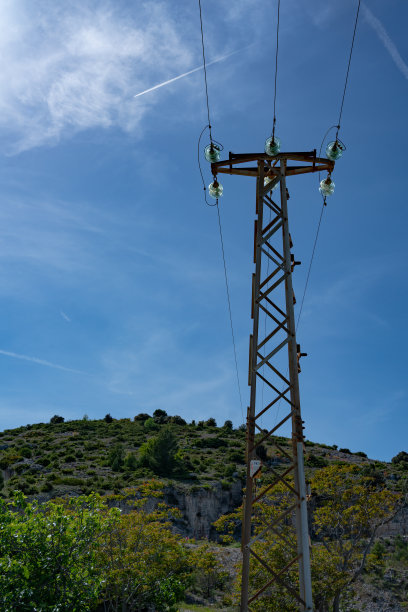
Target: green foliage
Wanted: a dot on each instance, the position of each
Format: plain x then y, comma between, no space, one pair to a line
77,554
108,418
150,425
49,554
315,461
130,462
57,419
159,453
348,513
401,459
211,422
209,570
116,457
228,425
160,416
142,417
401,549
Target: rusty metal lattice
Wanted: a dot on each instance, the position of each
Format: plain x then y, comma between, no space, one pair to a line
273,373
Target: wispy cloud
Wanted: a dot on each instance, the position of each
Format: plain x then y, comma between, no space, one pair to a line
65,316
386,40
70,68
181,76
38,361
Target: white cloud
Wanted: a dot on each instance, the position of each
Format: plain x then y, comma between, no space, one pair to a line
386,40
68,67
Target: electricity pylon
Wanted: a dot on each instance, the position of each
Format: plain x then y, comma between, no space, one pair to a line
272,294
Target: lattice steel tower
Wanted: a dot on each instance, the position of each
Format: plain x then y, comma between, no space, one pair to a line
272,294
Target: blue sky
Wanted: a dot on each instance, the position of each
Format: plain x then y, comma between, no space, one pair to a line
112,295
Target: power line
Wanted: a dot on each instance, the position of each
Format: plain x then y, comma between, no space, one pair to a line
218,211
276,72
229,309
348,68
205,69
310,265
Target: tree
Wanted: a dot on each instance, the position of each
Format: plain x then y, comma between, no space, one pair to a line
115,457
146,566
130,462
49,553
160,416
108,418
211,422
228,425
401,459
159,453
350,508
57,419
142,416
77,554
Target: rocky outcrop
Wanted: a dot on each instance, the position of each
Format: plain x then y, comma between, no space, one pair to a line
201,506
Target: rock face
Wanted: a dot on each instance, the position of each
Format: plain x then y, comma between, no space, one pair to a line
201,506
398,525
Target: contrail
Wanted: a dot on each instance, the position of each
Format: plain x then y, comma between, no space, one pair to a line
39,362
386,40
181,76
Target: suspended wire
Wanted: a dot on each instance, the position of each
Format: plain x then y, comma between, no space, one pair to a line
220,147
205,69
229,309
348,69
310,265
276,72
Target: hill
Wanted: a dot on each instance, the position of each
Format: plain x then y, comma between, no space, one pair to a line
53,459
202,468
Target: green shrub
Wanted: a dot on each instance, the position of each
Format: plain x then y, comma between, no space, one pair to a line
47,486
115,457
56,419
130,462
159,453
150,425
315,461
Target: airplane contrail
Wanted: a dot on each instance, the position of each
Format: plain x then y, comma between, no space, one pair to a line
386,40
39,361
181,76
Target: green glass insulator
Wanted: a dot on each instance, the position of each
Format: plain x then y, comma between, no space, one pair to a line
212,153
215,189
327,187
272,145
334,150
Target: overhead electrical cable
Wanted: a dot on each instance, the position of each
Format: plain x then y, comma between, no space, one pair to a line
321,146
205,68
230,311
218,148
337,127
348,69
276,72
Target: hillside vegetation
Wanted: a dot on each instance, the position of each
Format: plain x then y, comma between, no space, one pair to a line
107,455
83,525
